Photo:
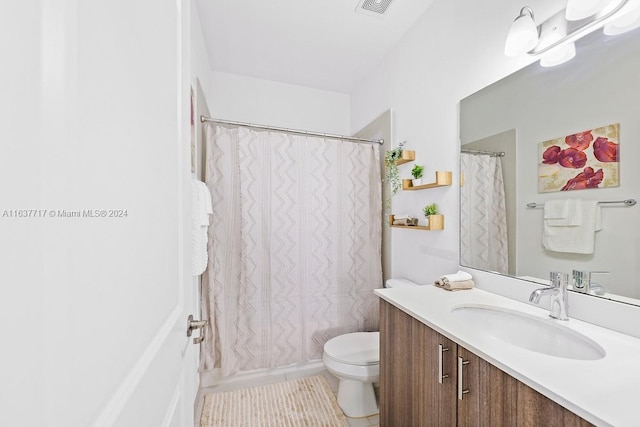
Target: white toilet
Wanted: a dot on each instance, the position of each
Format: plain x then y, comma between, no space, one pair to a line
355,360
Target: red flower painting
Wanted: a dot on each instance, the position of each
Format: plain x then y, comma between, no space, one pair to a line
605,150
550,155
567,158
579,141
572,158
593,153
585,179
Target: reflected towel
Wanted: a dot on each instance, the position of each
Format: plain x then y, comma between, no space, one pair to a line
576,234
559,213
455,285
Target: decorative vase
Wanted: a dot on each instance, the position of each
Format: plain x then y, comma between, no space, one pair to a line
416,182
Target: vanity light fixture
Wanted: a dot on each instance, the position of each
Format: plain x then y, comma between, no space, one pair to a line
581,9
626,20
561,53
554,40
523,34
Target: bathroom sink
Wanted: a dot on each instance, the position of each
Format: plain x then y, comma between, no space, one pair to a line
541,335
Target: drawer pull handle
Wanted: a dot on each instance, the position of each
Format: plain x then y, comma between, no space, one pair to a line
441,376
461,391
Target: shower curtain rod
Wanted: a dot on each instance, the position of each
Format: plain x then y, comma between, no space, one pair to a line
299,132
488,153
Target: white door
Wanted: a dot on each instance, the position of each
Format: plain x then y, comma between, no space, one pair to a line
95,283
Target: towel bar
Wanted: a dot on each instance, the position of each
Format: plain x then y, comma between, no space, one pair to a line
627,202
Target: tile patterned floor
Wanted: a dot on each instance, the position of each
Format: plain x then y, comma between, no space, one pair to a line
372,421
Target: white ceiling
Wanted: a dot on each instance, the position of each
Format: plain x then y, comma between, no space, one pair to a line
319,44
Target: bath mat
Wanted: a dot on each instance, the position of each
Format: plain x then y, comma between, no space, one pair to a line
305,402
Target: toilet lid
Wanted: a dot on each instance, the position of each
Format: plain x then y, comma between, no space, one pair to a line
358,348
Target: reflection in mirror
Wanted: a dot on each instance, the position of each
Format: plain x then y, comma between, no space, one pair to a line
599,87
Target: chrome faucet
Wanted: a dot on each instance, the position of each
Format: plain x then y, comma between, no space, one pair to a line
559,295
582,282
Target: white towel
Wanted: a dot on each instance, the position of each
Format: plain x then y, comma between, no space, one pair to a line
460,276
454,286
574,235
562,212
200,211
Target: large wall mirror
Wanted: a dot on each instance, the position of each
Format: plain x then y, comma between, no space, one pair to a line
499,232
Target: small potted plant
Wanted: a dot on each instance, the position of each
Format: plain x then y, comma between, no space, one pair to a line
416,172
434,220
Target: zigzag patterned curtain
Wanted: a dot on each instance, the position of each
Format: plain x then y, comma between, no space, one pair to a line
294,246
483,216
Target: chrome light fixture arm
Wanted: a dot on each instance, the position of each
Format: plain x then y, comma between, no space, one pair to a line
581,28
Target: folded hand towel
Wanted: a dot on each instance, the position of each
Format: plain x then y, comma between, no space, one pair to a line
405,221
578,238
457,277
401,216
454,286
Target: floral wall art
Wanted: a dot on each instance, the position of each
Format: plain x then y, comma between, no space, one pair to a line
583,160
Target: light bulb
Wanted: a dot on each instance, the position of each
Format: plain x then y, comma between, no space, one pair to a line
627,21
523,34
581,9
558,55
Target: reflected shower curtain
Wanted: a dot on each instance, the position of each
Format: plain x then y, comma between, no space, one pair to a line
483,217
294,246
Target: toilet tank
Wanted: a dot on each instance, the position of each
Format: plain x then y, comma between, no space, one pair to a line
398,283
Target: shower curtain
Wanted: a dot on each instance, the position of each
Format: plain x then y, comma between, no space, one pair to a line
483,217
294,246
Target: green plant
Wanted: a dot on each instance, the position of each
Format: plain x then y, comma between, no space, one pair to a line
391,158
417,171
431,209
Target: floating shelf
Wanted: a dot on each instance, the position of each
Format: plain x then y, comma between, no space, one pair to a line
443,179
417,227
407,156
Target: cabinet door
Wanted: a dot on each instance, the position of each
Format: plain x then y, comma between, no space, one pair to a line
534,409
489,395
395,366
434,378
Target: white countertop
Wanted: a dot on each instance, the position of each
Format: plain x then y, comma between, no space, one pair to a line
605,392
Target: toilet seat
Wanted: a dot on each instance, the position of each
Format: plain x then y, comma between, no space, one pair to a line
357,348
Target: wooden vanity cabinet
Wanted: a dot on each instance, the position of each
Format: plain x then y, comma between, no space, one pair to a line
411,355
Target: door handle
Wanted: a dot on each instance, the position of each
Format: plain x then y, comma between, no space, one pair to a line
192,325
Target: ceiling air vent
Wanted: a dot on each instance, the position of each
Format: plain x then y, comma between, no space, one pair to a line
373,7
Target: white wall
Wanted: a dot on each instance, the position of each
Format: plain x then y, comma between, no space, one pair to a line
264,102
200,62
455,49
22,373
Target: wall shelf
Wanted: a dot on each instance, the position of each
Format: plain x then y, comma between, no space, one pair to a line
416,227
413,227
443,179
407,156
